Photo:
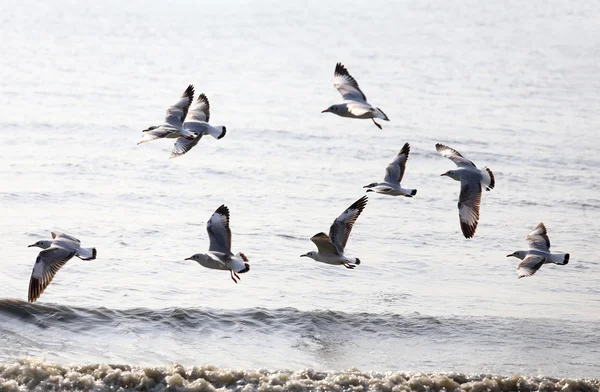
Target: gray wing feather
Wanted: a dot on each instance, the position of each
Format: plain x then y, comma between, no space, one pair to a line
538,238
177,112
395,170
453,155
529,265
183,145
342,226
324,244
468,207
47,264
219,232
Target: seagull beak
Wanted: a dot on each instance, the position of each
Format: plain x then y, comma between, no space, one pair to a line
303,255
510,255
324,111
443,174
189,258
31,246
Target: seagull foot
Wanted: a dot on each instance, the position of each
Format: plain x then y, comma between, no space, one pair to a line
375,122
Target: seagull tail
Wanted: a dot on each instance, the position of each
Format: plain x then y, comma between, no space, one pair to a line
87,253
411,192
218,132
356,261
489,181
566,259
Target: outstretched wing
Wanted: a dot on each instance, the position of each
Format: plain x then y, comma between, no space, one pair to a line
453,155
219,232
346,84
538,238
47,264
56,234
177,112
324,244
529,265
183,145
342,226
200,111
395,170
468,207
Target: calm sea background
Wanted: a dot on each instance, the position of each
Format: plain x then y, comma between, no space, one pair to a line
511,85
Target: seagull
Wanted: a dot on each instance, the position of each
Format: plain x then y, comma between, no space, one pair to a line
538,253
471,181
355,103
219,254
393,175
197,123
173,125
56,253
331,247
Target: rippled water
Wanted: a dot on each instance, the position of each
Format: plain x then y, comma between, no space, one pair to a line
512,86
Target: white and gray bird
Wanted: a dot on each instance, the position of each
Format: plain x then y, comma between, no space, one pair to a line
219,255
393,176
538,253
355,103
472,180
187,130
331,247
197,123
55,254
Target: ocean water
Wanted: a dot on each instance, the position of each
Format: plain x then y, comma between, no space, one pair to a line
511,85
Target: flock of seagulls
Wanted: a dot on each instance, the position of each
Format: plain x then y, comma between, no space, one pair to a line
187,127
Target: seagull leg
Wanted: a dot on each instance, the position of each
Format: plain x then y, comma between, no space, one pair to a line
375,122
236,275
232,278
348,266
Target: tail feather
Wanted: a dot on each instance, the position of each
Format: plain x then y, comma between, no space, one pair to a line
491,179
87,253
413,192
566,259
357,261
217,132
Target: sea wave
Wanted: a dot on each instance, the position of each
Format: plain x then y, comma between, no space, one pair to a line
27,374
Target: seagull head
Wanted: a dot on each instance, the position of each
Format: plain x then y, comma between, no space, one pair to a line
452,174
150,128
311,254
330,109
520,254
44,244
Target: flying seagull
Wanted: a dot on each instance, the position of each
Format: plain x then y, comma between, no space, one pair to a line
219,255
331,247
355,103
188,133
197,123
393,176
56,253
471,182
538,253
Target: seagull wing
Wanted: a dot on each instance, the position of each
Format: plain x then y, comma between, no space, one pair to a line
538,238
177,112
454,156
468,207
529,265
342,226
56,234
324,244
183,145
200,111
153,134
219,232
47,264
346,84
395,170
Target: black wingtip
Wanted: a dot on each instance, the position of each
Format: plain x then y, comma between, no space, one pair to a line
223,210
340,69
360,204
222,135
203,98
189,92
405,149
468,231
